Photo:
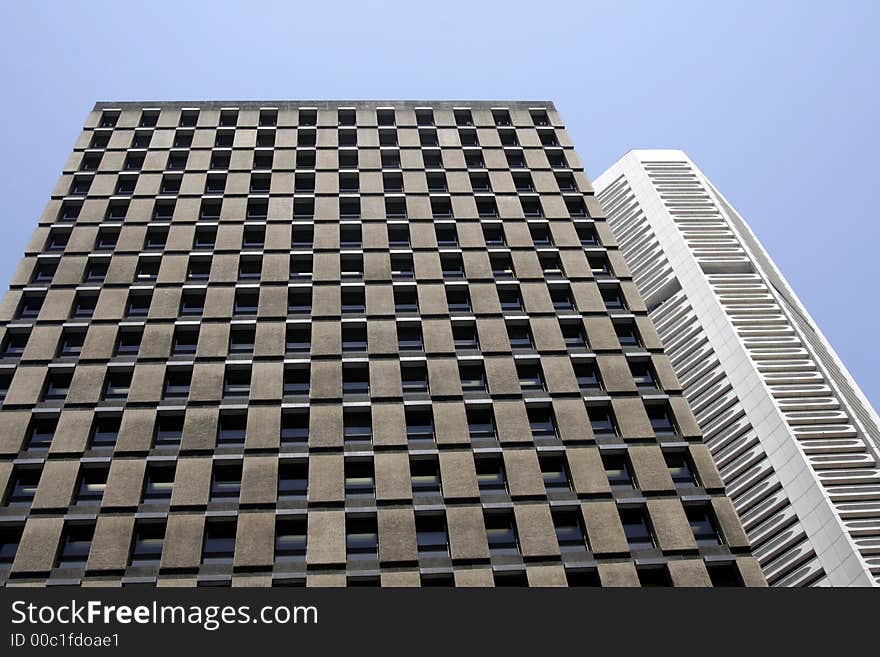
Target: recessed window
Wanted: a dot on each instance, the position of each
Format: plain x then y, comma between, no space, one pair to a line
117,384
156,238
163,210
107,238
301,266
490,474
192,303
554,470
419,423
295,427
486,207
390,158
30,305
148,539
432,158
69,211
452,265
643,374
409,337
501,533
355,379
357,425
425,475
441,206
351,265
458,299
57,240
250,268
531,207
291,539
651,576
353,300
702,522
573,334
299,301
587,375
464,336
617,470
105,431
424,117
414,378
91,485
246,302
463,117
293,480
360,478
361,538
177,161
22,485
576,206
681,469
57,385
41,432
432,538
138,304
80,185
168,429
570,533
561,297
548,138
205,237
71,343
147,269
74,545
473,376
305,157
661,419
296,380
349,208
613,298
405,300
225,481
177,383
602,420
298,338
480,181
218,545
437,181
231,428
515,158
520,335
724,574
599,266
133,162
185,340
637,528
220,160
210,209
510,298
354,336
402,266
158,482
531,378
481,422
14,343
446,234
385,117
242,339
542,422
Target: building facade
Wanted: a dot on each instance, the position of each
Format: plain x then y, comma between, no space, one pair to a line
342,344
794,438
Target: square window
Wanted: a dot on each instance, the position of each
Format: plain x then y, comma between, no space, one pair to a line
458,299
22,485
473,376
158,482
490,475
637,528
531,378
520,335
71,343
291,539
360,478
41,432
481,422
105,431
14,343
177,383
355,379
75,545
246,302
357,424
570,532
293,480
192,302
542,421
225,481
298,338
218,545
419,423
554,471
405,300
353,300
361,538
117,384
425,475
409,337
231,428
296,380
617,470
464,336
602,420
295,427
91,484
148,539
414,378
501,533
432,538
57,385
242,339
168,429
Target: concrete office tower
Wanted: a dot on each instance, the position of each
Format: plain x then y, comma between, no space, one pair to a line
342,343
792,434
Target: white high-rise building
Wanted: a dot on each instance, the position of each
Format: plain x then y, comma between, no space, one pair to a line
793,436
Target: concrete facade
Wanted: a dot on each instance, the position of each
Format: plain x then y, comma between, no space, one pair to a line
342,343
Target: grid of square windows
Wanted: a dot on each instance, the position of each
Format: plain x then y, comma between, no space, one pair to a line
283,312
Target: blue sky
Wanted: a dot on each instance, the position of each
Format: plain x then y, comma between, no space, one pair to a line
775,101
